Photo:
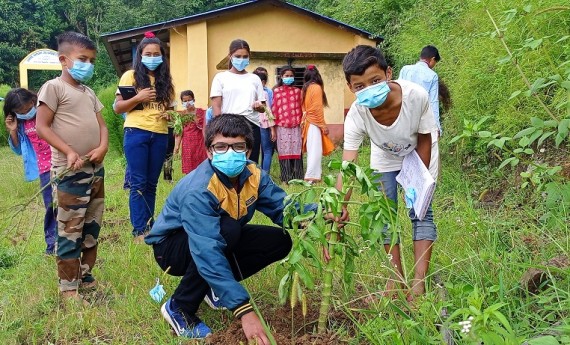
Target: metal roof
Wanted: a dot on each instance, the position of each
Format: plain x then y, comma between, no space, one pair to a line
119,44
113,36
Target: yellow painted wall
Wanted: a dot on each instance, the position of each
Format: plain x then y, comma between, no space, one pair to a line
179,59
266,28
269,28
198,76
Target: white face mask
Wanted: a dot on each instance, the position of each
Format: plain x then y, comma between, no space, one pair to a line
186,104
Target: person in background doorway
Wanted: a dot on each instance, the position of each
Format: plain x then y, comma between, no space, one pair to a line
191,141
287,109
266,125
315,131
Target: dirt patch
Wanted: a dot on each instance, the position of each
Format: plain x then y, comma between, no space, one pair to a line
112,237
113,223
535,279
491,197
289,329
565,170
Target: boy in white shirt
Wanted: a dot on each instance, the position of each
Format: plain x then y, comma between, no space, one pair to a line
397,117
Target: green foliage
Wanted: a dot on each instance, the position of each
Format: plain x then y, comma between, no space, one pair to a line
309,227
26,25
471,56
479,323
178,121
3,131
114,121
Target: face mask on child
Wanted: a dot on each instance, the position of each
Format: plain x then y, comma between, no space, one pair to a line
187,104
27,116
288,80
81,71
373,96
240,63
230,163
151,62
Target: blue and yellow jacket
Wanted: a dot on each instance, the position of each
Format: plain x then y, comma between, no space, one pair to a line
197,203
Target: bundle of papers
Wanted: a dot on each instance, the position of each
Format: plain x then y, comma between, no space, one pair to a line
417,182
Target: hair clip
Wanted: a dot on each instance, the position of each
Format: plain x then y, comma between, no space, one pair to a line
311,67
149,34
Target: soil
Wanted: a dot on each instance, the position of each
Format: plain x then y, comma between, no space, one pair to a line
534,279
299,331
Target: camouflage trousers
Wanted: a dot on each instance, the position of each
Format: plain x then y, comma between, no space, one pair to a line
80,195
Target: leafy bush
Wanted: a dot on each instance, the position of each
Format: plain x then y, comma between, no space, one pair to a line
114,122
473,58
3,132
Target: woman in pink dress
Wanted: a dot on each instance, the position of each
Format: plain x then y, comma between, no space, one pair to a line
191,141
287,110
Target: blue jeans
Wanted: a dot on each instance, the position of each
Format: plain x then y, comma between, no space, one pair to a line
50,221
145,152
424,229
266,148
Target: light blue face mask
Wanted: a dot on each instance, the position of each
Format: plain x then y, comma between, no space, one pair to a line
27,116
151,62
186,104
288,80
373,96
157,293
230,163
240,63
81,71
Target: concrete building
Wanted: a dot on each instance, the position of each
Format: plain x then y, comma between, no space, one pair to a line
278,33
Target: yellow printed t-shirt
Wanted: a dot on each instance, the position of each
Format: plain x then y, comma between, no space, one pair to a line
148,118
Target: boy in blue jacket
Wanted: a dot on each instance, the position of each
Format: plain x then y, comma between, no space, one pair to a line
203,235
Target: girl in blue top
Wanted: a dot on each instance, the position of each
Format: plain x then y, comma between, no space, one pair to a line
20,120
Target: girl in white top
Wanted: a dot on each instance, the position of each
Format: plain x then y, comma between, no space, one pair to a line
236,91
397,118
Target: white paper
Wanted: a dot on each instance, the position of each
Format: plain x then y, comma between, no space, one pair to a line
414,174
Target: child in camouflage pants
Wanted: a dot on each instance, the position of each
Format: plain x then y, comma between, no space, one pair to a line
69,119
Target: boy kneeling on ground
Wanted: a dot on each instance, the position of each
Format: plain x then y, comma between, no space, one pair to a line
203,235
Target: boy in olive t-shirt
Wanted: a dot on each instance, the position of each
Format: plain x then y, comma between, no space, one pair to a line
69,119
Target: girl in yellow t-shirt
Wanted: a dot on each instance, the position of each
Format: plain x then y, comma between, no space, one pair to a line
146,131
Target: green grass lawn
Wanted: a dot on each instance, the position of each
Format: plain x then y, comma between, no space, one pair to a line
479,257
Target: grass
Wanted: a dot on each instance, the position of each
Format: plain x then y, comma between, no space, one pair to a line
479,250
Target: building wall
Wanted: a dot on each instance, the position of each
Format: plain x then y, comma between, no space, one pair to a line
269,28
199,47
179,59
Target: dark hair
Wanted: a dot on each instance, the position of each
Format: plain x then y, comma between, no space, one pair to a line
444,97
262,75
261,69
231,126
429,52
236,45
16,98
74,39
359,58
162,77
187,93
311,76
281,73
